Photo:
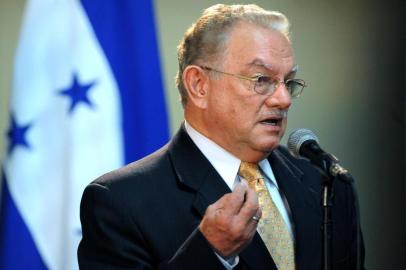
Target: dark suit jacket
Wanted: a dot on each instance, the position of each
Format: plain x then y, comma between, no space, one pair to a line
145,215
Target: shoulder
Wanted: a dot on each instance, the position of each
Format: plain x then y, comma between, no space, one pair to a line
137,173
298,164
310,174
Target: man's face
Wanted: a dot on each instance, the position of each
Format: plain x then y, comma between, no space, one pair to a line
239,119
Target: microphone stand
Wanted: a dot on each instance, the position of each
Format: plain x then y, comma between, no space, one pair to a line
325,163
327,222
331,170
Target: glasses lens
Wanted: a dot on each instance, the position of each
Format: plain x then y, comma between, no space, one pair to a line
295,87
264,85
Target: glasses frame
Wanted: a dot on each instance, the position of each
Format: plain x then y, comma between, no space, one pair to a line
300,82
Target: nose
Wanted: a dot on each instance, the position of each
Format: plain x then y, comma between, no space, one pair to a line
280,98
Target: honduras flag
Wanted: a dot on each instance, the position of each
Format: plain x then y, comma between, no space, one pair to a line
87,98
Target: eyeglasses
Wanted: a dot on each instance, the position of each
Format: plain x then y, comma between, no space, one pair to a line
265,85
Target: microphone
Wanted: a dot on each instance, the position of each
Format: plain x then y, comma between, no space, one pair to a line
304,143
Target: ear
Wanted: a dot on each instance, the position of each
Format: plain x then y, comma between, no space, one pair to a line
196,82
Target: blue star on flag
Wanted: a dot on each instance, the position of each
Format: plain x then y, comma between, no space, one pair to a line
17,135
78,92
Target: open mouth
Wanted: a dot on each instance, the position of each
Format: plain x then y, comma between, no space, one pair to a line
271,121
273,117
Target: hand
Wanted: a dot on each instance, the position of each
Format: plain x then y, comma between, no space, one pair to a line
228,224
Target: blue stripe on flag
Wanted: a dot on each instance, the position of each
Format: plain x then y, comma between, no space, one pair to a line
15,237
126,32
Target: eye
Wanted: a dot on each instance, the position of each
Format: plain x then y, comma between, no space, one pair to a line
290,82
263,80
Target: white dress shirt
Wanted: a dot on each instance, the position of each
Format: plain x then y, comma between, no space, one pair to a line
228,165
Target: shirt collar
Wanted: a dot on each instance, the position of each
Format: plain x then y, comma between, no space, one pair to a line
226,164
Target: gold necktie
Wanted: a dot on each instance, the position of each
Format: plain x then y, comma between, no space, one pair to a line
271,227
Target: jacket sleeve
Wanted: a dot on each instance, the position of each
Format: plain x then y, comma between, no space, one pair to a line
111,239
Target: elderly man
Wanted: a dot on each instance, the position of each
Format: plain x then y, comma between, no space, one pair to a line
222,194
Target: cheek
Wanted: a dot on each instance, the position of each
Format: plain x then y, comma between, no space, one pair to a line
221,102
245,112
232,105
240,111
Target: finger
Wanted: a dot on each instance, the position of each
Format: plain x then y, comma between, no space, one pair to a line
235,200
259,213
252,224
250,206
255,218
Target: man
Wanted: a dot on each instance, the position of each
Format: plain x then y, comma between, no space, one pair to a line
222,194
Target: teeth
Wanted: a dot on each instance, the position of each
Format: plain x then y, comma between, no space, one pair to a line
270,122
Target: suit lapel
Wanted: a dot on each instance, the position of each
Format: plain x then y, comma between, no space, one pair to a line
303,205
195,172
256,255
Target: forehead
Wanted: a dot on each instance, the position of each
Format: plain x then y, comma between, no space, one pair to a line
252,45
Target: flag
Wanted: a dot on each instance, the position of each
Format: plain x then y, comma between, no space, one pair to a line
87,98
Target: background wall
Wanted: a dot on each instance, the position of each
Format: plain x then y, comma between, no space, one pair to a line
352,54
10,20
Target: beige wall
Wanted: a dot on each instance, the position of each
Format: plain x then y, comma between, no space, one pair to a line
352,57
10,20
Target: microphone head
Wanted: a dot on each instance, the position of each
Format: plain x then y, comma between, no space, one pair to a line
298,137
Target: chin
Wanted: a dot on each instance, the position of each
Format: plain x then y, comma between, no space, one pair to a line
267,146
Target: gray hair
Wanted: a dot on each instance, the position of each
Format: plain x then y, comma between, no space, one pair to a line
206,38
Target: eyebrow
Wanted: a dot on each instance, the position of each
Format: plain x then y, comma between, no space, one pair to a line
295,68
292,72
260,63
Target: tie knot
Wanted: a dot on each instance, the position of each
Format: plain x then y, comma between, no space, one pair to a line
250,172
